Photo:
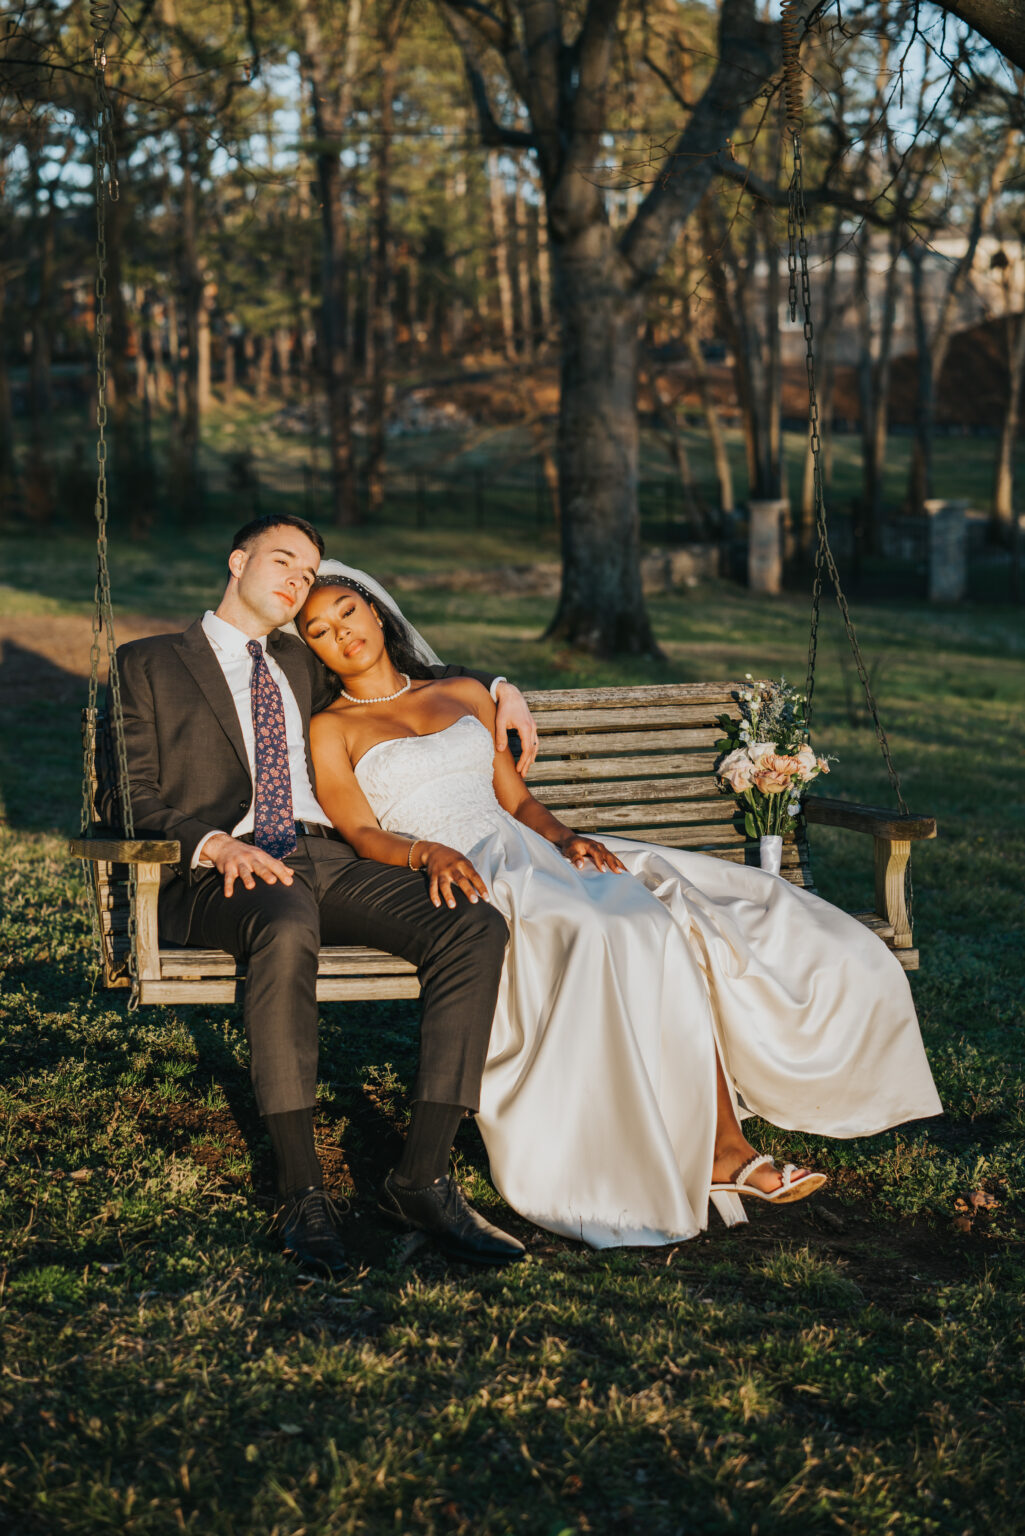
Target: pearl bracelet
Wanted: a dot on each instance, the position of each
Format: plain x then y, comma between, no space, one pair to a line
413,845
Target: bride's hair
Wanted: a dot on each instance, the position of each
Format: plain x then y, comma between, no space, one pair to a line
398,642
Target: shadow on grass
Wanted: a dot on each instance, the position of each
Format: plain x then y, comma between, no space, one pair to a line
40,740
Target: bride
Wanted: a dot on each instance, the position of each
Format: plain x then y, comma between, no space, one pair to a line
651,998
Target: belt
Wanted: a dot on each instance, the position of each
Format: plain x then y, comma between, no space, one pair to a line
315,829
304,829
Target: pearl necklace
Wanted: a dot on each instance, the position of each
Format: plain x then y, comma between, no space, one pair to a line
385,698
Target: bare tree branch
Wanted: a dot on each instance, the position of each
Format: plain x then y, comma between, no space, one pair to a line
1000,22
494,134
749,54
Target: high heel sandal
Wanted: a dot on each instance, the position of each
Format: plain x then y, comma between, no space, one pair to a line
726,1197
728,1204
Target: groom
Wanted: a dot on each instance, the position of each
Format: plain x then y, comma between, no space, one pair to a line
217,733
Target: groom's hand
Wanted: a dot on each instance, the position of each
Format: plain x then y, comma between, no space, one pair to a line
236,860
513,715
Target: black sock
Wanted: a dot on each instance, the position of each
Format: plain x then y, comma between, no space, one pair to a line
296,1165
425,1157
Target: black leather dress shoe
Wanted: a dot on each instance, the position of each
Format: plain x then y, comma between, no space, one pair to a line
308,1225
442,1210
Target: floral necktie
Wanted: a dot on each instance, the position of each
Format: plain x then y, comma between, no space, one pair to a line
273,821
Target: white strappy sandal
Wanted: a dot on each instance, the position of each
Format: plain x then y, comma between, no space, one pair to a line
726,1197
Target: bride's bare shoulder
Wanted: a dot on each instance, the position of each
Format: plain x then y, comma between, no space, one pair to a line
331,724
466,691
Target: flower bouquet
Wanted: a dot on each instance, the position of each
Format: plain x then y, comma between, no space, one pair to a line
767,762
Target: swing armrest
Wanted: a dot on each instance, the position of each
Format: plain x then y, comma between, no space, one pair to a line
820,812
146,857
115,850
893,838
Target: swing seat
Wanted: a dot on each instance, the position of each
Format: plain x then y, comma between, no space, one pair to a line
637,762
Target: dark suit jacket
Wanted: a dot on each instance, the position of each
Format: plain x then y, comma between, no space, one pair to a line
186,757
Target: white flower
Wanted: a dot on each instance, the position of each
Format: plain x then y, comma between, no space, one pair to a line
794,808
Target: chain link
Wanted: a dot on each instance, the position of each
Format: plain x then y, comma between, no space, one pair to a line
106,189
825,564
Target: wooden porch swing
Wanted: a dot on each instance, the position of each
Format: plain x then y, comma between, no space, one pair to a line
637,762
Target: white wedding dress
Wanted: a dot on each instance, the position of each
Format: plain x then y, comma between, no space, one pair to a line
598,1099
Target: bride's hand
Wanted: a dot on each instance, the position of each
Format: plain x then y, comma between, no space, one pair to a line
581,849
446,868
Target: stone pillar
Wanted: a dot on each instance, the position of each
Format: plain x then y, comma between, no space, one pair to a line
947,534
765,546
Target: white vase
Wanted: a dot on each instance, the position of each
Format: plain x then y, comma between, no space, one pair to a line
770,853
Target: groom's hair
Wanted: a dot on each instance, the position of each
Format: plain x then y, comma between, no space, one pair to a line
250,532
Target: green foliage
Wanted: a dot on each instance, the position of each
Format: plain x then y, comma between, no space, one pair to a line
851,1364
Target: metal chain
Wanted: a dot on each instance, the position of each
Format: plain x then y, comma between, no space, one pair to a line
106,187
825,564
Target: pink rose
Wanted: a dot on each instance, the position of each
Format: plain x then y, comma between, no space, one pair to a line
737,770
823,764
804,757
774,775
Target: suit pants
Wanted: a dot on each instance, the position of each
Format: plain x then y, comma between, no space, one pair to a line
337,898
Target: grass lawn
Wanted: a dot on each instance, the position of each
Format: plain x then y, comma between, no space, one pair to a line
852,1364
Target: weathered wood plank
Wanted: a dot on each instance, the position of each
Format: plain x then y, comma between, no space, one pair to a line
586,769
583,746
543,699
736,851
330,989
877,924
335,960
638,792
125,851
622,719
873,819
718,816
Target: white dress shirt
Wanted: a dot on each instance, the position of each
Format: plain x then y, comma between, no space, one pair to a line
229,646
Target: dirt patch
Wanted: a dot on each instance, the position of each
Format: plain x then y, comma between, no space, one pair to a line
47,655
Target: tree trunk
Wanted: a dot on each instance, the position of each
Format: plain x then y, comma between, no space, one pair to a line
523,266
772,483
249,362
6,413
228,387
39,476
142,355
118,328
191,287
283,351
1003,491
601,607
544,273
826,389
875,351
731,317
380,294
204,393
716,435
665,412
331,102
264,366
559,60
503,265
920,486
